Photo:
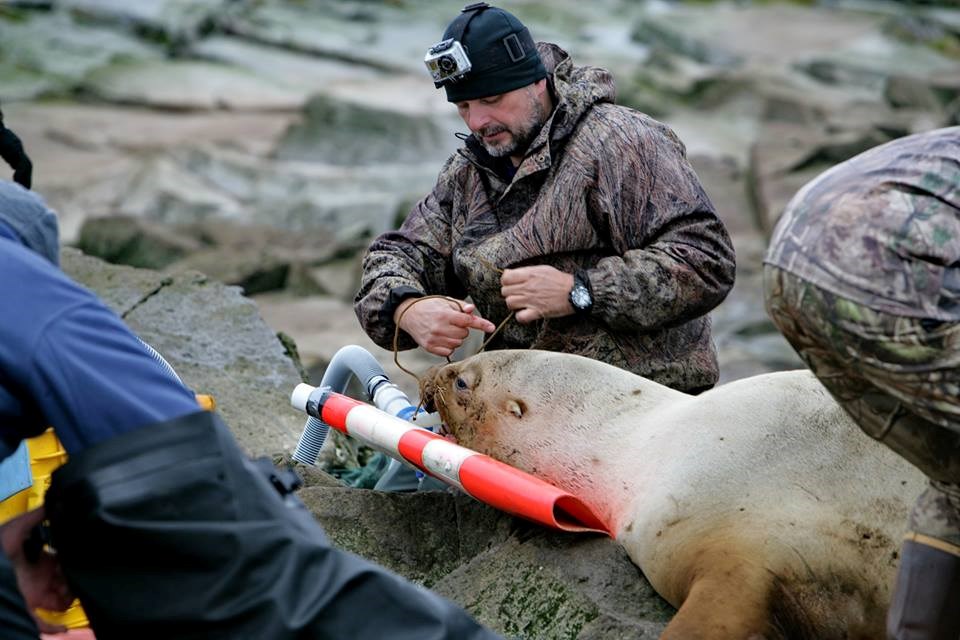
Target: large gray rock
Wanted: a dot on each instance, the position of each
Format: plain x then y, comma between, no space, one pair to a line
361,33
135,242
259,258
95,160
185,85
749,35
50,54
870,61
214,338
345,133
207,183
309,72
540,584
164,190
519,579
939,31
787,156
668,82
937,94
256,258
169,20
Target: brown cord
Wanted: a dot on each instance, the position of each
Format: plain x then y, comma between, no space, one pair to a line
495,332
483,346
396,330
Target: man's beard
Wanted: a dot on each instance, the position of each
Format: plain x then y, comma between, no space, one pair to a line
520,137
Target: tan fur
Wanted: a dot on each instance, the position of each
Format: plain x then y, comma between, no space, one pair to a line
757,508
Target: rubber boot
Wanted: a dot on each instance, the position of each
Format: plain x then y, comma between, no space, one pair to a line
926,599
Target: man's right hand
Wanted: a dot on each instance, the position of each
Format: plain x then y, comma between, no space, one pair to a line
439,325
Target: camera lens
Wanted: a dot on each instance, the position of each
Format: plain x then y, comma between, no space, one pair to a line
447,64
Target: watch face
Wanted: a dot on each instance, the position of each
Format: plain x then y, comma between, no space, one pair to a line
580,297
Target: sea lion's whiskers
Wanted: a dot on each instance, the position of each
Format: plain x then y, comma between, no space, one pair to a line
438,393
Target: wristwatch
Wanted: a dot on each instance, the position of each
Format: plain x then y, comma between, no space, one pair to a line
580,296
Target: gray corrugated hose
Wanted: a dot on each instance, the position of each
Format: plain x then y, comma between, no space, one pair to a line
357,361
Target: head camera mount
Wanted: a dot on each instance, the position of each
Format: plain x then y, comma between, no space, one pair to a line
447,61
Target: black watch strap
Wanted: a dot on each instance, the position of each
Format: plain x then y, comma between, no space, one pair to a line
581,296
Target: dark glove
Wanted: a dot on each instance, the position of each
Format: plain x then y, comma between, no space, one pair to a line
11,150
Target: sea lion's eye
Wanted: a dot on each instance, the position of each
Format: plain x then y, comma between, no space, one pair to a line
461,384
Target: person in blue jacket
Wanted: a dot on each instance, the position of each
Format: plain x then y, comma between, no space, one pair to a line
160,524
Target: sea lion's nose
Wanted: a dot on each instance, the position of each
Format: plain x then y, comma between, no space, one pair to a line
432,384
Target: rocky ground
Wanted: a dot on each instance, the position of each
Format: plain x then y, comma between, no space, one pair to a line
264,142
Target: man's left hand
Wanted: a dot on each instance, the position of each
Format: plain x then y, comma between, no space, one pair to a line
537,292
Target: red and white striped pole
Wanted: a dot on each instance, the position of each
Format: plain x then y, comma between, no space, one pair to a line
480,476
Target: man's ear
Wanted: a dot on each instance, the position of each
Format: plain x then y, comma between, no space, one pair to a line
541,89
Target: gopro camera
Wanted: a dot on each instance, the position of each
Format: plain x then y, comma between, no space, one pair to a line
447,61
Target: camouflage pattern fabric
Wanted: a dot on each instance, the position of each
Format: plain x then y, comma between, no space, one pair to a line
882,229
863,279
937,512
603,188
898,378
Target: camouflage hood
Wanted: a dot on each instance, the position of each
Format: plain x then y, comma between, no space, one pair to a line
575,88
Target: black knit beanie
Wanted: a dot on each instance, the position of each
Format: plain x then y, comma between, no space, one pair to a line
501,51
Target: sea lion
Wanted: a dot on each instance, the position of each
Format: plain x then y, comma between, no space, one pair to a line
758,508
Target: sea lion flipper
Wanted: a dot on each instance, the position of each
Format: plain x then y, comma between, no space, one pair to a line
728,599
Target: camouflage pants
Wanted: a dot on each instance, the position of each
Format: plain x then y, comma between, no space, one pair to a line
897,377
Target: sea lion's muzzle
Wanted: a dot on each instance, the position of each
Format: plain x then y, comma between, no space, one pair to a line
435,385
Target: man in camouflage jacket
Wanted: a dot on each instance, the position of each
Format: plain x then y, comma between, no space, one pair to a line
863,279
556,186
